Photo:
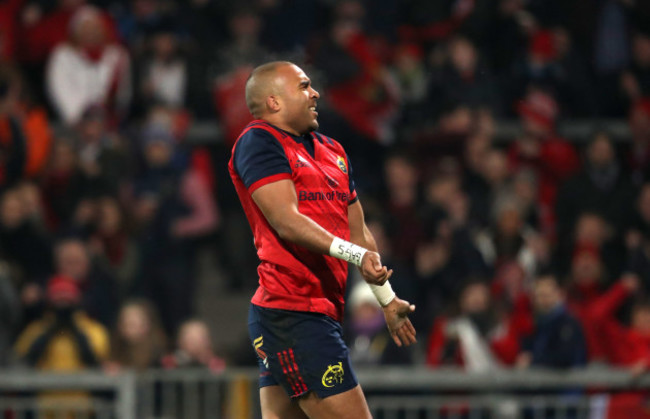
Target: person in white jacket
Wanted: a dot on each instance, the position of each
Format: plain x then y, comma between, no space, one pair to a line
88,70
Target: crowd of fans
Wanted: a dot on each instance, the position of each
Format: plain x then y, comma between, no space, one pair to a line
536,253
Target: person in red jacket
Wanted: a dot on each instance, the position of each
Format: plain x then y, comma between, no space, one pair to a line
630,349
480,338
589,301
541,150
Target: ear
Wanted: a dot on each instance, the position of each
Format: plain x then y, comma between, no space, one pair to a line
273,103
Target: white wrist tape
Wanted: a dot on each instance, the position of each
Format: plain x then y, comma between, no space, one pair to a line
383,293
345,250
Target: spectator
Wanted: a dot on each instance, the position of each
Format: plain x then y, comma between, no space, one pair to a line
541,150
24,129
445,256
506,38
113,245
638,157
174,207
629,350
231,67
98,299
632,342
65,339
23,244
635,80
424,21
410,73
44,26
475,184
640,223
552,62
601,187
358,85
573,77
404,228
102,154
524,187
164,70
510,289
88,70
485,177
481,337
591,229
509,239
369,340
588,296
557,340
194,349
13,145
465,80
10,313
138,341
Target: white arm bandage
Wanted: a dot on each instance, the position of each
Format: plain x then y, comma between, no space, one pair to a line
383,293
345,250
352,253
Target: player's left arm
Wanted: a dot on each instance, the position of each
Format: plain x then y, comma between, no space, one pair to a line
397,310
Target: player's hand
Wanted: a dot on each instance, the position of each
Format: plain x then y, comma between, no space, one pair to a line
399,325
372,270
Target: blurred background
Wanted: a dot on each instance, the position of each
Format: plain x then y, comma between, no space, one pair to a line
500,148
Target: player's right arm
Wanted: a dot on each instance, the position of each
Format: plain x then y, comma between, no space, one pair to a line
279,204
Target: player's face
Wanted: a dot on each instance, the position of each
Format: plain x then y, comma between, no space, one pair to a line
298,100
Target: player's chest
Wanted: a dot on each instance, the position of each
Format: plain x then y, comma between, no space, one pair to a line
325,170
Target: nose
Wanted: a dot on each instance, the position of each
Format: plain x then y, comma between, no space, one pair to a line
314,93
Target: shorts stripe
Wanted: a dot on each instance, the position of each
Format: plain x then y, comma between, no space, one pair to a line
294,387
293,369
293,359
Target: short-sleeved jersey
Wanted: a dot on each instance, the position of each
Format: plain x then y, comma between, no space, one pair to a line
290,276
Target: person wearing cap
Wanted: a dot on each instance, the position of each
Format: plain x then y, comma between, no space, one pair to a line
551,158
368,338
65,338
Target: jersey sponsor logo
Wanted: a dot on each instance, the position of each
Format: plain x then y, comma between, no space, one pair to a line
333,375
340,162
257,343
300,162
323,196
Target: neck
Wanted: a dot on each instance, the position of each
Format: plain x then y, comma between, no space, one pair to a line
282,125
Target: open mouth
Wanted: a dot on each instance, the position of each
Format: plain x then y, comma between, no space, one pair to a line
313,109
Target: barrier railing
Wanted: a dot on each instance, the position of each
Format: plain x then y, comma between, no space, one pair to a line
29,394
392,393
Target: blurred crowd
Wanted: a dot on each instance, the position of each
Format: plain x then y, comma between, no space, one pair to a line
533,252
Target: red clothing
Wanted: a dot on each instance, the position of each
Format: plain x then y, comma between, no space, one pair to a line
292,277
504,344
8,28
627,347
557,161
37,41
593,308
367,101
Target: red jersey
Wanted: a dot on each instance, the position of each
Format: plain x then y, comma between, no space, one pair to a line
290,276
